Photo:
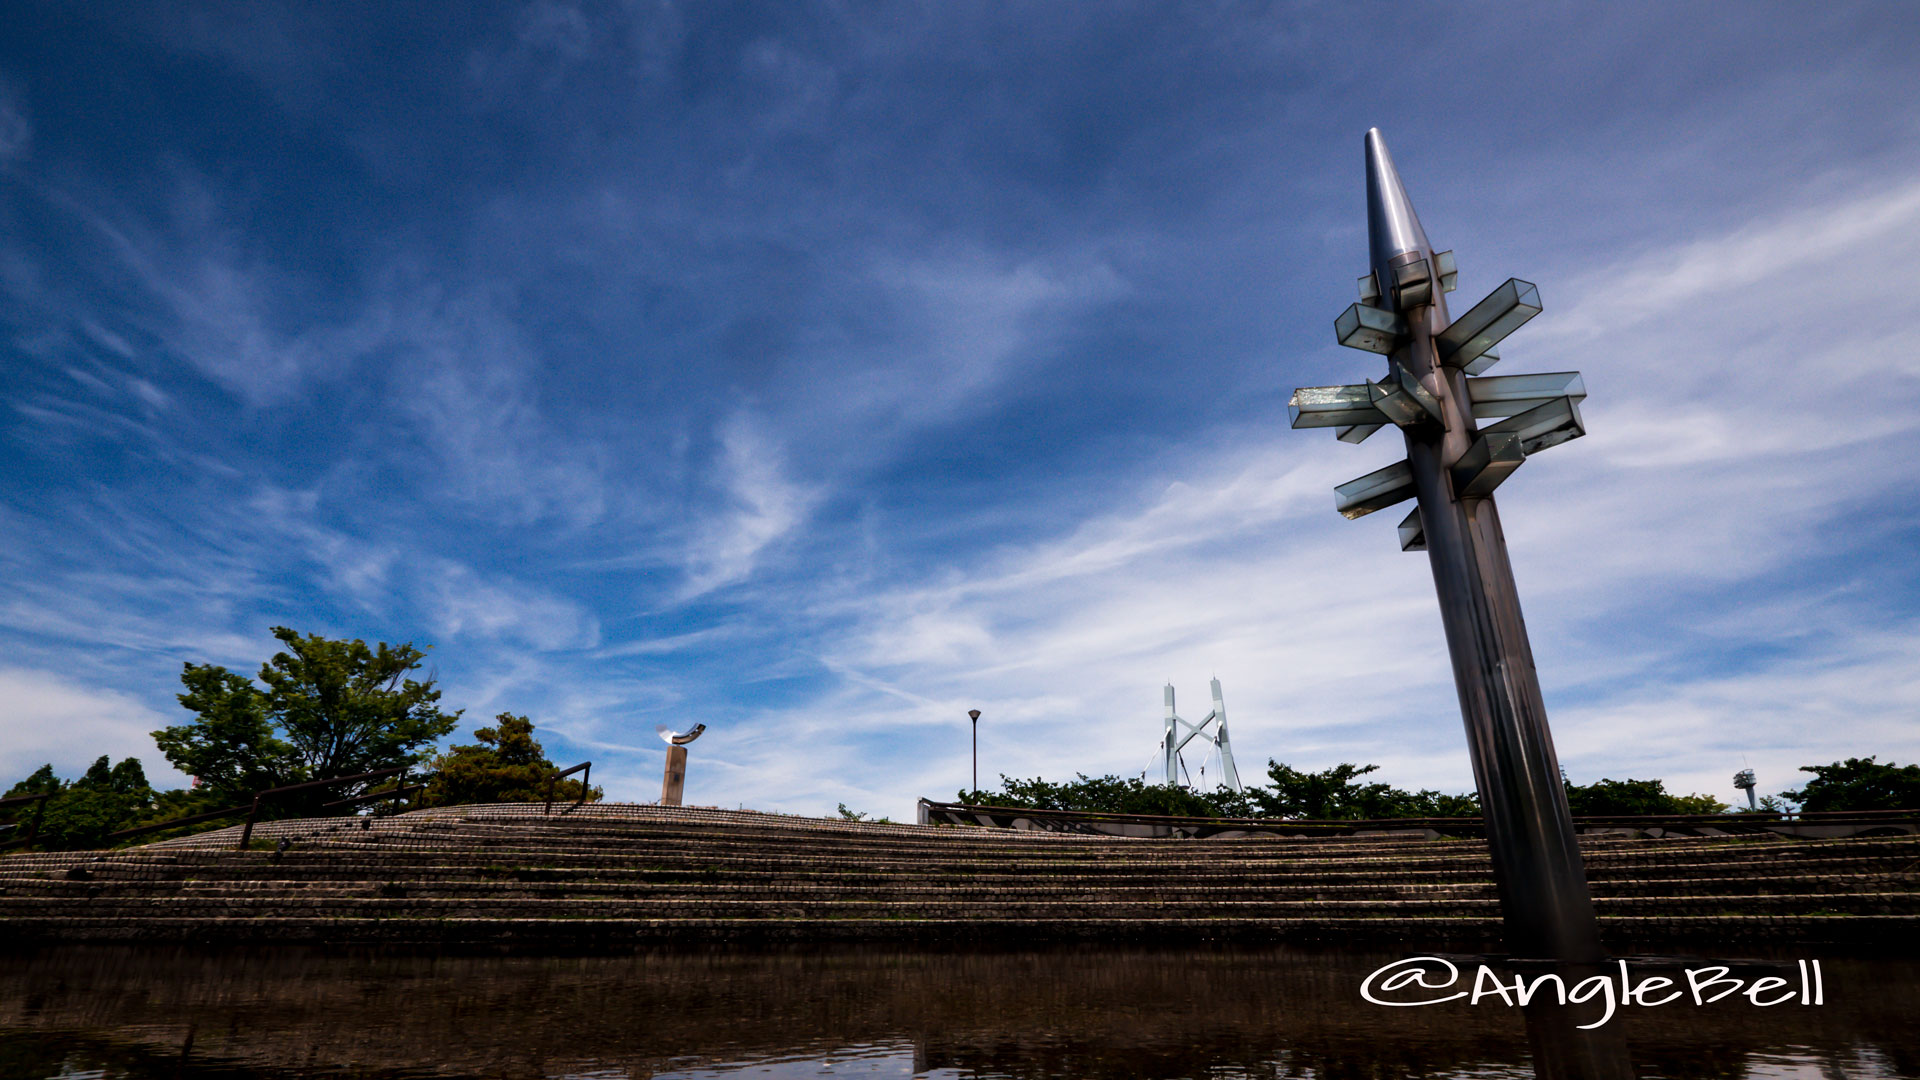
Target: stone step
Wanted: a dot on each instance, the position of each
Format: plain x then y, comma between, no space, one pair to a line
1621,932
502,875
941,889
318,864
1035,910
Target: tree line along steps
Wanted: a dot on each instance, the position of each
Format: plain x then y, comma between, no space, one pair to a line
609,874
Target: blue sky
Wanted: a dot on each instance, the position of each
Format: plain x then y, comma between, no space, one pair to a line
821,371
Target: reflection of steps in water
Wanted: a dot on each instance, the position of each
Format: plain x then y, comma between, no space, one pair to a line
637,874
1079,1012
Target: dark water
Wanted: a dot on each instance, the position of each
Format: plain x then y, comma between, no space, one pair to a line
1089,1013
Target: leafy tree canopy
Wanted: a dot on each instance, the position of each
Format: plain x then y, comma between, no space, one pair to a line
1333,794
1858,784
1106,794
506,765
325,709
1336,794
80,814
1607,798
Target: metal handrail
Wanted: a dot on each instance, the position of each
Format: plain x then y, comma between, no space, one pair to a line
375,796
39,811
586,768
246,834
176,822
252,809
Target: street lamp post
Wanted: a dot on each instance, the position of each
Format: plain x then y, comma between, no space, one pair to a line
974,715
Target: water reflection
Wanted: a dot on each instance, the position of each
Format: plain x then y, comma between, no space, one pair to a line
1091,1013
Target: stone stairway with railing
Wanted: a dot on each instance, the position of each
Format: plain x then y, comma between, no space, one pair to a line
611,874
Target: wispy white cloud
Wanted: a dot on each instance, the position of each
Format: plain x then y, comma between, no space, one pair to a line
461,602
759,505
453,599
979,319
469,383
45,719
207,294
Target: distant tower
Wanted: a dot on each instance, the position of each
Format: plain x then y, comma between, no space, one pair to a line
1171,741
1744,781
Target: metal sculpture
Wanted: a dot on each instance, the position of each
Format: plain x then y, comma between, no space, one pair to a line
674,784
1452,468
1171,742
1745,782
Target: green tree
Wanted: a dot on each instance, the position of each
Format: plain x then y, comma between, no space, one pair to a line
861,815
1612,798
1858,784
325,709
80,814
1336,794
506,765
230,746
1101,794
1332,794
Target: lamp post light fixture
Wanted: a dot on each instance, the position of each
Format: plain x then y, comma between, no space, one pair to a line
974,715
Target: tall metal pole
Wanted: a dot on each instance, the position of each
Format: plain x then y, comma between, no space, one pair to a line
1452,467
1536,856
974,715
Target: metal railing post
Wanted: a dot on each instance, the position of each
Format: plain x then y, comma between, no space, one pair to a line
246,834
585,769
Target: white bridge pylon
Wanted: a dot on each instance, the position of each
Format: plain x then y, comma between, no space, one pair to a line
1172,742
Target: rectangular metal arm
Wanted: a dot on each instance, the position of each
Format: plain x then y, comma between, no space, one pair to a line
1375,491
1373,329
1543,426
1332,406
1490,460
1507,395
1500,314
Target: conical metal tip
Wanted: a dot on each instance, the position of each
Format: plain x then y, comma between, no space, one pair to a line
1393,229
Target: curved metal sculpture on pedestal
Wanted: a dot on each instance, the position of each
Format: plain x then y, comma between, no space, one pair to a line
674,784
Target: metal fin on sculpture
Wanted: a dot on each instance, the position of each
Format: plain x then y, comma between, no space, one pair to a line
1420,395
1373,329
1489,321
1377,490
1490,460
1357,433
1413,532
1333,406
1544,426
1393,400
1449,273
1506,395
1482,362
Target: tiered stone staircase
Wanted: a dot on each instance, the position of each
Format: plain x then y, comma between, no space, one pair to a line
608,874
